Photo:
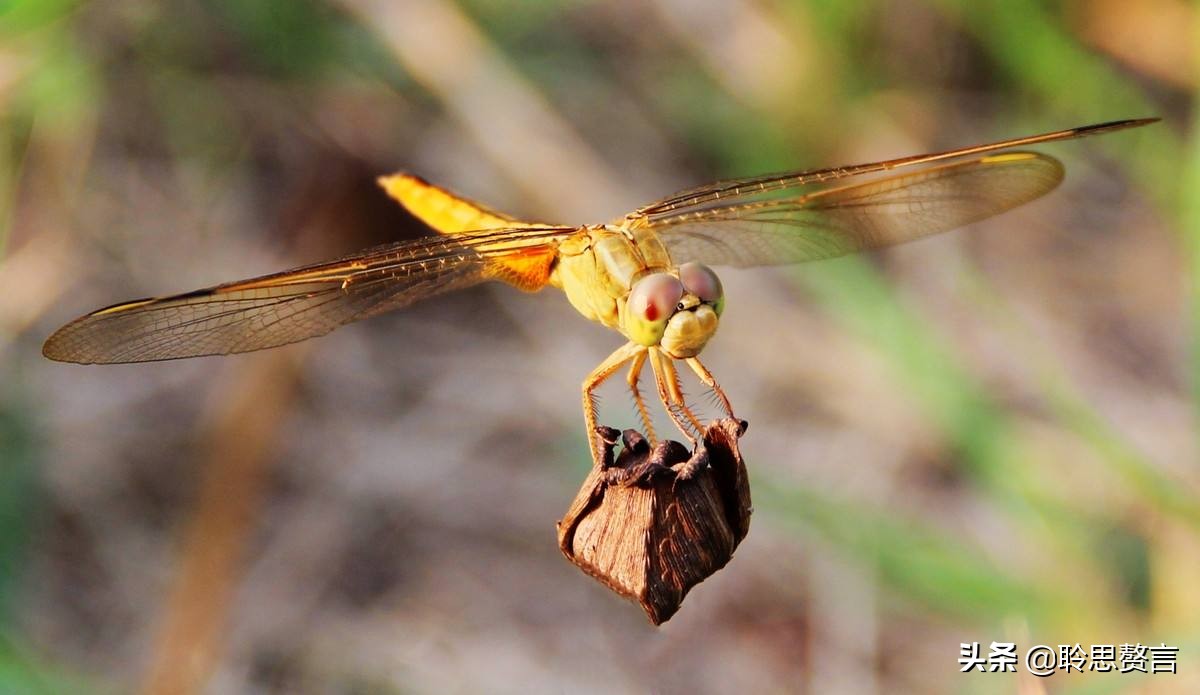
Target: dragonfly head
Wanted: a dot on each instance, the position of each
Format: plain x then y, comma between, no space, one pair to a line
677,311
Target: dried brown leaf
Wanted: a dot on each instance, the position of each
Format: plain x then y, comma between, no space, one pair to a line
654,522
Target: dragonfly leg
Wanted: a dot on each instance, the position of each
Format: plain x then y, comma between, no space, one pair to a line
707,378
599,375
671,395
635,374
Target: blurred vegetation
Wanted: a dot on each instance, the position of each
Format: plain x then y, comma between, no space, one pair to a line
120,118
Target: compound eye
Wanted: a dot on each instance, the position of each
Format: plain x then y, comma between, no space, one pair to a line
654,297
701,281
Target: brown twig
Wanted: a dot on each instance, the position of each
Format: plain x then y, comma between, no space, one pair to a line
245,417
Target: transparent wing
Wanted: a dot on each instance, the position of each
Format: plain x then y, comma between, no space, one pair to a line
854,217
302,303
734,190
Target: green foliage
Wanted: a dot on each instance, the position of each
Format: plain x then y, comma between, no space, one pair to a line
18,498
22,673
289,39
20,16
929,566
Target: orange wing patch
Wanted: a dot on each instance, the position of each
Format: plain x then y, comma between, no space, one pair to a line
525,268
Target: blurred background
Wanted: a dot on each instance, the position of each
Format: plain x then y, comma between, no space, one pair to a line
986,436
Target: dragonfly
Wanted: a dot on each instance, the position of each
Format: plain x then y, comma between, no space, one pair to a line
647,275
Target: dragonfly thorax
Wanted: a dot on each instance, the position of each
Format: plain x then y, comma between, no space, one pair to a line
598,267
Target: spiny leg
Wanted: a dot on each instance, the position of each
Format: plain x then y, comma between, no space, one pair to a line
681,402
607,368
707,379
671,395
635,373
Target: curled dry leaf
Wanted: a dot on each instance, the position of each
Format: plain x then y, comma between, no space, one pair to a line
654,522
